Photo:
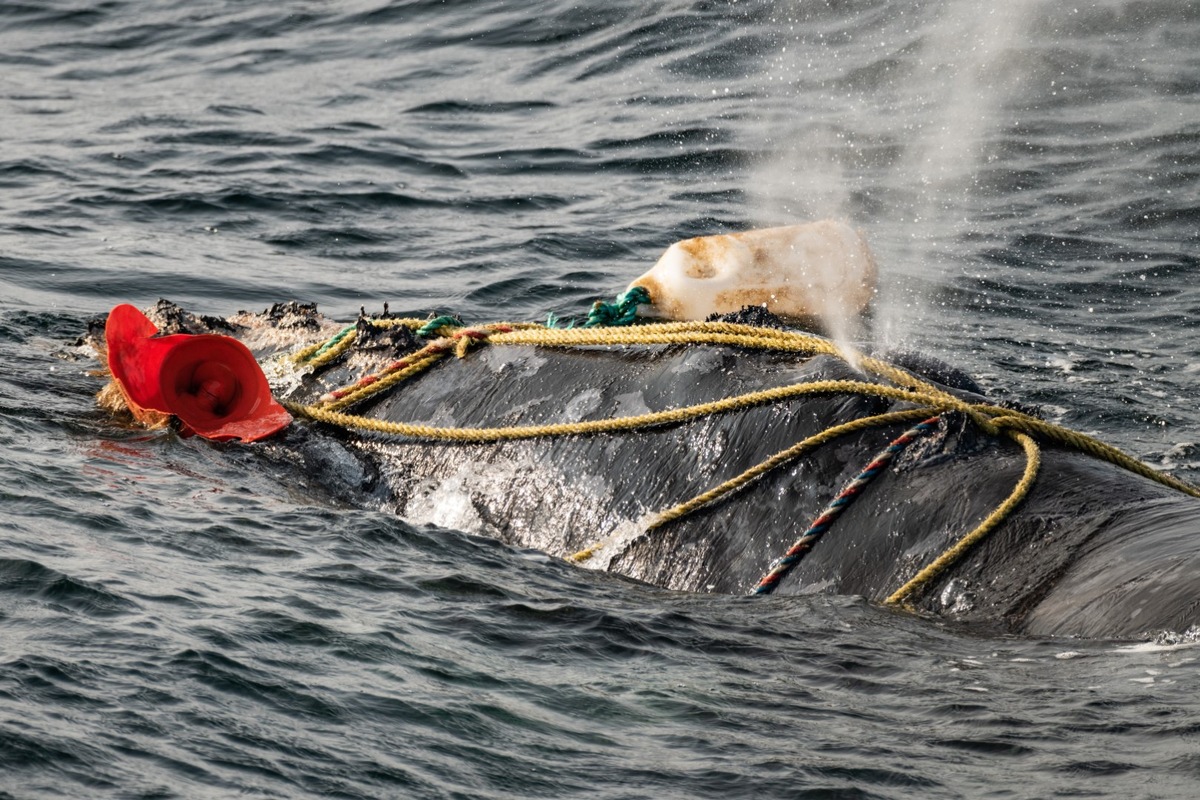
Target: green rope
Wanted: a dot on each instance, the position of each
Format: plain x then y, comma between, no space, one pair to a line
621,312
432,327
342,334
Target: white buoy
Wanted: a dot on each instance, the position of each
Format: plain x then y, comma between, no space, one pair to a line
819,272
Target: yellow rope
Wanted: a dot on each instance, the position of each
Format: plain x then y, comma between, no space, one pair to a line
721,333
671,333
759,469
459,339
335,351
943,562
1093,447
357,394
308,356
667,417
993,420
782,457
302,355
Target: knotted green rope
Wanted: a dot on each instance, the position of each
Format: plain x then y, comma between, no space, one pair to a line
436,324
623,311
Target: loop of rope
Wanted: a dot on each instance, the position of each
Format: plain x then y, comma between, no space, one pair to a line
908,388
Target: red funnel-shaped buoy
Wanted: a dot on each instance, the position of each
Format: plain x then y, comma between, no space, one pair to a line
212,383
134,359
216,388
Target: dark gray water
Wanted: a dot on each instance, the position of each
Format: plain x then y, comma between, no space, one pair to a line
179,621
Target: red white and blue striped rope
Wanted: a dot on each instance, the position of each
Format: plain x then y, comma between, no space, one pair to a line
781,566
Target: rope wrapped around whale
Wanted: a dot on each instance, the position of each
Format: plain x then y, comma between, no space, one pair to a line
1024,429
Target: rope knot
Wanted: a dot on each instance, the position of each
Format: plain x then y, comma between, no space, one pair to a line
466,337
622,311
983,420
437,323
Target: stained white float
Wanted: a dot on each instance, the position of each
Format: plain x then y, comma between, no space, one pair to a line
819,272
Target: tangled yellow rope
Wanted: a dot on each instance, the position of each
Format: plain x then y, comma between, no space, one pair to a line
928,399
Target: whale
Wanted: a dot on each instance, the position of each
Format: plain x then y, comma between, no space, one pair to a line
1092,549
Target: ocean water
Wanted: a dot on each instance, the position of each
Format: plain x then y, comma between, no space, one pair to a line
178,620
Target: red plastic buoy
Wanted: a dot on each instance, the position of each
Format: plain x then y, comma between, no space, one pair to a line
212,383
133,360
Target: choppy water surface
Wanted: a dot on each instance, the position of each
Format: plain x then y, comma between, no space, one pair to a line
179,621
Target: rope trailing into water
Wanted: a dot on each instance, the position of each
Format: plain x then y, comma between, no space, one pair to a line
821,525
928,399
